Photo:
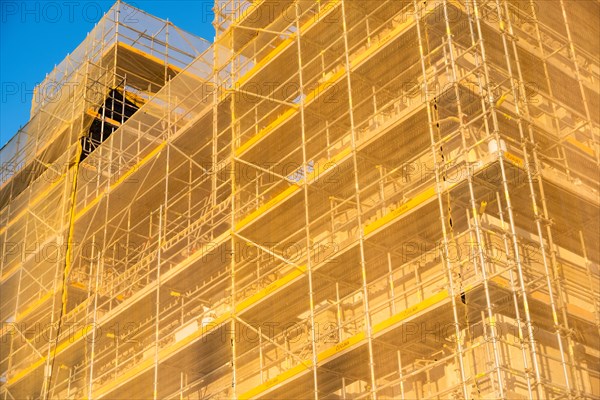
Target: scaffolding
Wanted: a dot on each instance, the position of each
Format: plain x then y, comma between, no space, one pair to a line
336,199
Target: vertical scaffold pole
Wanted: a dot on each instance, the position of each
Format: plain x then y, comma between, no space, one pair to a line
157,297
361,238
309,266
232,177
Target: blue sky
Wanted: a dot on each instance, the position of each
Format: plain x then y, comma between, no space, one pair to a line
37,35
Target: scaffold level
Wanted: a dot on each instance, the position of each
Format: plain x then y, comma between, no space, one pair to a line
335,199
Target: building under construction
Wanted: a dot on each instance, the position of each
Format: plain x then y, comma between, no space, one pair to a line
334,199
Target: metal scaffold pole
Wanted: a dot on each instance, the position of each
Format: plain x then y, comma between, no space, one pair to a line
161,212
359,220
232,176
309,262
